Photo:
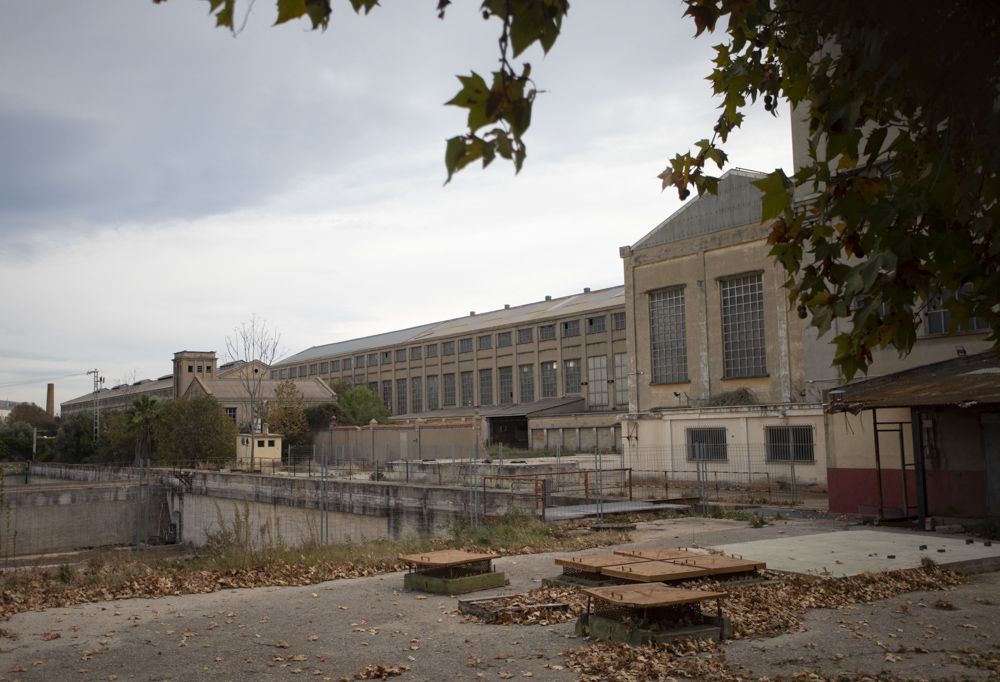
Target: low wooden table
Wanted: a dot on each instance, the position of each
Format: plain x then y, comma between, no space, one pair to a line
451,571
658,554
654,571
717,564
642,613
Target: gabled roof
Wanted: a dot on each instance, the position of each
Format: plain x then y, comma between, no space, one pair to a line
524,314
963,381
227,390
736,203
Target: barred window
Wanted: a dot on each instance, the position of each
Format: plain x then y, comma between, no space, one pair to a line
617,321
505,379
526,374
486,386
525,335
448,348
417,394
302,371
432,350
485,342
432,392
467,399
596,325
400,355
416,353
324,367
546,332
503,339
597,380
387,357
668,336
706,444
448,390
571,373
621,378
387,394
335,366
400,396
743,326
373,359
549,381
313,369
570,328
465,345
789,443
346,364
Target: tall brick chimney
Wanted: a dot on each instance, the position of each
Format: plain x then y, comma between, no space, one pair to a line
50,400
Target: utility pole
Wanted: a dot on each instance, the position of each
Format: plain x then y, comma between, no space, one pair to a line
98,383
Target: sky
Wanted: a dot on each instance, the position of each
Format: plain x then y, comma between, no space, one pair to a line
162,181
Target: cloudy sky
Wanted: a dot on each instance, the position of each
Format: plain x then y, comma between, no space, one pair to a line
161,181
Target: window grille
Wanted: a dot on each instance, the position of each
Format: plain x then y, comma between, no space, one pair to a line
416,353
503,339
400,396
789,443
431,351
400,355
597,380
465,345
617,321
668,336
570,328
231,413
526,374
417,394
432,392
525,335
486,386
595,325
448,390
324,367
549,380
346,364
274,374
303,369
706,444
335,366
743,345
387,357
571,373
373,359
505,379
621,378
387,394
485,342
359,362
448,348
313,369
546,332
467,400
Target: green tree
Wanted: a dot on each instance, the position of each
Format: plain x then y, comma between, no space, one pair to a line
15,440
358,405
318,416
903,170
117,441
75,439
33,415
143,415
192,431
287,412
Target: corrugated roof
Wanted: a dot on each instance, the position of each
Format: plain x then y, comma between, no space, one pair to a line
736,203
137,389
963,381
524,314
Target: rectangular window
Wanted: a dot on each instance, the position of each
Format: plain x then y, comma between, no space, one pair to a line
467,400
525,335
597,380
400,396
274,374
621,378
485,342
570,328
270,443
486,386
432,392
431,351
335,366
668,336
324,367
546,332
313,369
707,445
373,359
417,394
571,373
550,386
208,369
448,390
937,317
416,353
743,326
303,369
199,369
400,355
526,376
596,325
387,394
260,443
448,348
387,357
617,321
231,413
359,361
789,443
190,369
505,379
503,339
346,364
465,345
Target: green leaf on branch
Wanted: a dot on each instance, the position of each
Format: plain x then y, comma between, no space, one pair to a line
776,196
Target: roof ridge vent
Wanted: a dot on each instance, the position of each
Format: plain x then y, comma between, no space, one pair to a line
586,290
548,298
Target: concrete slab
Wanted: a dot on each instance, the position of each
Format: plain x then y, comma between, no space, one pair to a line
581,511
852,552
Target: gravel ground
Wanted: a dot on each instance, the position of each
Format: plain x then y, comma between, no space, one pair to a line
336,629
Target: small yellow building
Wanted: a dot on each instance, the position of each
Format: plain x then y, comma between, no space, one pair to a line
263,448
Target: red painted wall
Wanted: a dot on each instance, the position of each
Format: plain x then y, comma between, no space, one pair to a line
949,493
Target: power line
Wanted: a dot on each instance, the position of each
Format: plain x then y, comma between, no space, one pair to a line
45,380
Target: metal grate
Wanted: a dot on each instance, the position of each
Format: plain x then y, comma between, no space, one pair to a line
524,335
467,399
417,394
449,390
789,443
621,378
743,326
668,336
432,392
549,381
526,374
571,375
486,386
505,377
387,394
706,444
546,332
400,396
597,380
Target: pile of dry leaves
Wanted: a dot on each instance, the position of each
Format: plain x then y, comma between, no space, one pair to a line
543,606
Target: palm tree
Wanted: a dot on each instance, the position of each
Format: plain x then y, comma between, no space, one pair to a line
143,414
